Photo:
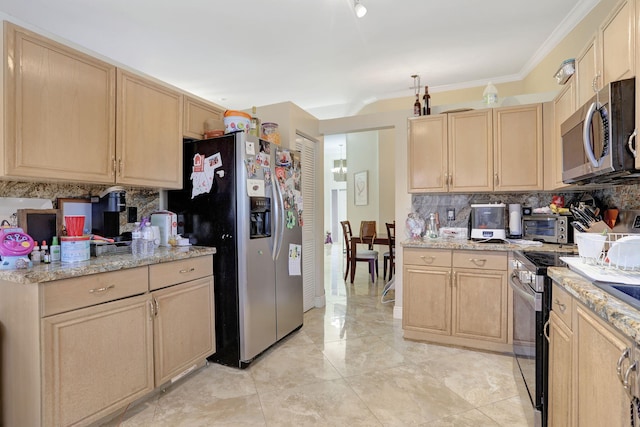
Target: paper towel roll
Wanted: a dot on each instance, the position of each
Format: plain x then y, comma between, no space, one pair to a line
515,219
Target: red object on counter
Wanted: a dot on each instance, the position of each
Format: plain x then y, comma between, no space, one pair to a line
558,201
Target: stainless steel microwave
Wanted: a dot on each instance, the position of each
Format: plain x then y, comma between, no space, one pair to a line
598,140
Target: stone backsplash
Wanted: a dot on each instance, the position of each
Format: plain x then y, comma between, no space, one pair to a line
621,197
145,200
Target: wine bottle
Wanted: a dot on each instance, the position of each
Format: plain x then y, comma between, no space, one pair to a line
254,124
426,102
416,106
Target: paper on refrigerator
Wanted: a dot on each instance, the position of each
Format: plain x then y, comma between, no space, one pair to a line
295,254
202,173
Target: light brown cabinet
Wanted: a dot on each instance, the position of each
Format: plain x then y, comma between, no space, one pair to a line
149,133
610,53
198,112
459,297
477,151
584,354
76,350
518,139
183,313
59,111
65,120
564,105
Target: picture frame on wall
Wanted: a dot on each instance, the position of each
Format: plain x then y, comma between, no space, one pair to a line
361,188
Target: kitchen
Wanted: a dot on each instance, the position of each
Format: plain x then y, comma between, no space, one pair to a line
403,201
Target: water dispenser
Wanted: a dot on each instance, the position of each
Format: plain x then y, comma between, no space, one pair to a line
260,217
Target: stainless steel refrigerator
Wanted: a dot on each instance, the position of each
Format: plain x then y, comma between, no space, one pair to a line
243,196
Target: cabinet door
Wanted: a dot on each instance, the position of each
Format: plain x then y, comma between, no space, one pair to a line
600,397
427,154
480,304
470,151
563,106
60,111
560,373
184,330
149,133
586,72
617,43
517,133
427,299
196,113
96,360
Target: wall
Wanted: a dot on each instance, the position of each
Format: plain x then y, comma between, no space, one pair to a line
362,152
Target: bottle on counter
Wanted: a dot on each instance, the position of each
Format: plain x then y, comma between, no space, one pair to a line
433,226
426,102
417,110
148,238
35,254
254,124
44,250
136,240
54,249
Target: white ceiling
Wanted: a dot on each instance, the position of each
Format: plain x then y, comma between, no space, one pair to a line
317,54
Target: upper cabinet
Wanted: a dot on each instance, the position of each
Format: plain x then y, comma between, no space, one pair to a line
518,161
60,108
149,133
59,111
564,105
198,112
610,54
477,151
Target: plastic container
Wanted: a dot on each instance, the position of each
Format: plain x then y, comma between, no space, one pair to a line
74,248
74,225
490,94
148,238
137,247
235,121
590,246
270,132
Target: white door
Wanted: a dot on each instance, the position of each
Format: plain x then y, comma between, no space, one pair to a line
308,149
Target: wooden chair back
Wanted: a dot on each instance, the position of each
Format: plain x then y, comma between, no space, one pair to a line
368,232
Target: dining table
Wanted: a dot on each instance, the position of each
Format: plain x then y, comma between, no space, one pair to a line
379,239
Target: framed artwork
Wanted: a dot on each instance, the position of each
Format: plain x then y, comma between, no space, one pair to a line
361,188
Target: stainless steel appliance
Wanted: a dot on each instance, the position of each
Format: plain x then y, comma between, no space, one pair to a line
105,212
243,196
598,140
548,228
488,222
531,305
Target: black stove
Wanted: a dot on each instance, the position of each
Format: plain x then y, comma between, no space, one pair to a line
541,260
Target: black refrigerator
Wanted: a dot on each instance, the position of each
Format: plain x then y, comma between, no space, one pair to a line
243,196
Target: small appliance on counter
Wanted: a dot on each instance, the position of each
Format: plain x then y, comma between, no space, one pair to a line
548,228
15,246
105,211
488,222
167,223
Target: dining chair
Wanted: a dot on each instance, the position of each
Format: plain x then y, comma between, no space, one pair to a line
389,257
354,255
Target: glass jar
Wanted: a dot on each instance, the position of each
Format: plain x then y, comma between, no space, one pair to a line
270,132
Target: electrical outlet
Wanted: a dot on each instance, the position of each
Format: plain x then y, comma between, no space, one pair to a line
451,214
132,214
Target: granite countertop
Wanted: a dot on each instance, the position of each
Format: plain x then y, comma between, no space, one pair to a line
464,244
617,313
58,270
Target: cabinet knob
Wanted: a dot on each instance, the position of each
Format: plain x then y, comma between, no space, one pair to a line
187,270
561,307
478,261
101,290
624,355
429,260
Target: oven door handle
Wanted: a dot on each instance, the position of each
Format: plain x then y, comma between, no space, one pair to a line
530,297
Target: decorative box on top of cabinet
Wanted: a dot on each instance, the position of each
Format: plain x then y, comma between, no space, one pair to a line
60,118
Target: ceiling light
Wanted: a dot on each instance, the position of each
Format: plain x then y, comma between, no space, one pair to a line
339,168
359,8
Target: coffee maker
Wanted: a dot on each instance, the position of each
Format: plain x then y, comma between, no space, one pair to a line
105,212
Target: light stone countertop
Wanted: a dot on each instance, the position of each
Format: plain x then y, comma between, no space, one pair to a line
59,270
464,244
612,310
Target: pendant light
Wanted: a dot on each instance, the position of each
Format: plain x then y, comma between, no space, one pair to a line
359,8
340,168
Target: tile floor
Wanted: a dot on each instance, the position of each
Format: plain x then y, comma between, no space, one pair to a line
347,366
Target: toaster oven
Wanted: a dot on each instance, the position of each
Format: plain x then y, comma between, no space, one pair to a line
548,228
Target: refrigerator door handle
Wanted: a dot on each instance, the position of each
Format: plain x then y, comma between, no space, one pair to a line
280,219
276,218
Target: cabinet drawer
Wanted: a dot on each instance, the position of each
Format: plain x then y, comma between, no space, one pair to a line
70,294
480,260
561,302
428,257
171,273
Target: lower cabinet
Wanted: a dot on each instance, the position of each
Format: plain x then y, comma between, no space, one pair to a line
77,350
95,360
457,297
584,356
